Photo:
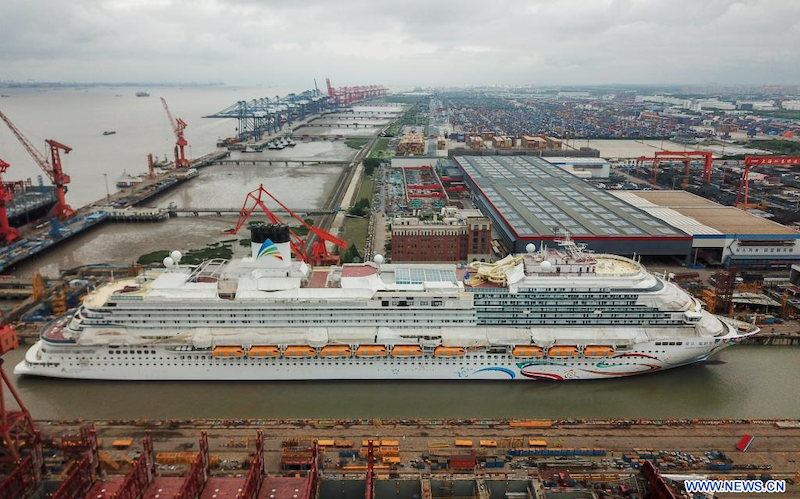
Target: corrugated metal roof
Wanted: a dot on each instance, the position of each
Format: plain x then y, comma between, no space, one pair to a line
538,198
705,213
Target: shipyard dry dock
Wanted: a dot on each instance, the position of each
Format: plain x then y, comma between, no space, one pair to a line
412,459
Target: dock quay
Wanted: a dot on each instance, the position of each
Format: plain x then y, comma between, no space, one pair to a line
777,338
423,459
131,214
279,161
46,236
44,239
177,211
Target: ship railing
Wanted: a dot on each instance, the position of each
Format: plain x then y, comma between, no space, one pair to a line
208,270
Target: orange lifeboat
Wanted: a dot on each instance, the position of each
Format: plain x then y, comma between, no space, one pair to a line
407,351
449,352
371,351
264,351
598,351
225,352
299,351
528,351
336,351
563,351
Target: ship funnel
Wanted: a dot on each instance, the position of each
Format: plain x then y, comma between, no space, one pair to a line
270,245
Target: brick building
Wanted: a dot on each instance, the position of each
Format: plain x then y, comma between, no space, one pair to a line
455,236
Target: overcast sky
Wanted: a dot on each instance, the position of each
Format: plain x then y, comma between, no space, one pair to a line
402,43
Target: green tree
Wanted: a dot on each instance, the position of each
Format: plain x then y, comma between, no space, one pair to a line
360,208
370,164
351,255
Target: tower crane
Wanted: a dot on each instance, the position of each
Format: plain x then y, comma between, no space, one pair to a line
178,126
52,167
7,232
758,161
319,254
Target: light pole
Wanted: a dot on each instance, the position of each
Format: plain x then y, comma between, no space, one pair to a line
108,193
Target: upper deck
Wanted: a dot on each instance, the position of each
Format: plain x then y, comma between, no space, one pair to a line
245,279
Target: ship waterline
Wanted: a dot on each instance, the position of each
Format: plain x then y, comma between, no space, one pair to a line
550,314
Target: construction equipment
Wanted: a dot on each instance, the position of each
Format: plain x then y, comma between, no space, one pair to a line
59,301
318,255
7,232
151,171
724,290
344,96
684,156
21,458
750,161
52,167
178,126
38,286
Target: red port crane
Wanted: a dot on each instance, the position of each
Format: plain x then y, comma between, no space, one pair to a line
685,156
759,161
7,232
52,167
347,95
319,251
21,459
178,126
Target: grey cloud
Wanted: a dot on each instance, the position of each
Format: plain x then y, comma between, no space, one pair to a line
402,43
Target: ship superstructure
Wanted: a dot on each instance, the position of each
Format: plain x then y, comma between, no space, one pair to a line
552,313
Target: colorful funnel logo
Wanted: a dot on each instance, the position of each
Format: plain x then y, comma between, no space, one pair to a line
268,248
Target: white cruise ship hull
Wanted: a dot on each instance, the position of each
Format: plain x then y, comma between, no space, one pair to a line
164,364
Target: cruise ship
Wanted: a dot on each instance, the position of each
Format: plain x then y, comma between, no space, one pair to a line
558,313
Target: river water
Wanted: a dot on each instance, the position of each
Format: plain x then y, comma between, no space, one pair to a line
78,118
742,382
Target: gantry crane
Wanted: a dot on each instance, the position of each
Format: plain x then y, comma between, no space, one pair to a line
300,247
684,156
178,126
7,232
749,161
52,167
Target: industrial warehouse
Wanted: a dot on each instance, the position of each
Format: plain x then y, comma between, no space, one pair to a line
722,234
532,201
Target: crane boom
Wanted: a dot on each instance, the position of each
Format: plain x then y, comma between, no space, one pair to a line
178,126
52,166
172,121
37,156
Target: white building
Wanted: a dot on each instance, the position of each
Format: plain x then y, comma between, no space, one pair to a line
582,167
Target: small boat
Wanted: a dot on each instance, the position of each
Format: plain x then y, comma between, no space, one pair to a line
142,94
5,95
109,132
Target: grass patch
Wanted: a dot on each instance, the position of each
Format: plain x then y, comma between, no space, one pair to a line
192,257
355,231
779,146
154,257
381,149
411,117
366,189
356,143
782,113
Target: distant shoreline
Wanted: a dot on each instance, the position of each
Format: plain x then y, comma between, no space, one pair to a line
55,84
